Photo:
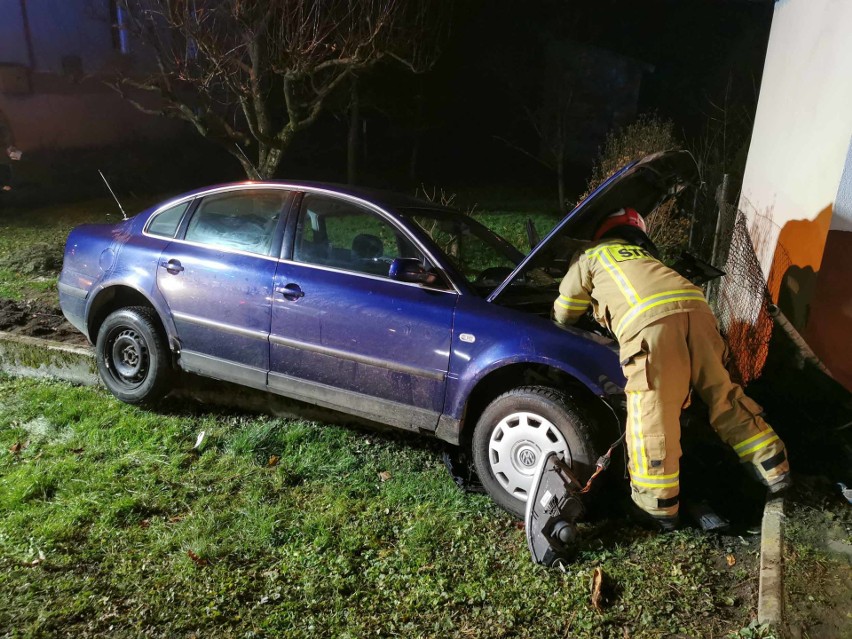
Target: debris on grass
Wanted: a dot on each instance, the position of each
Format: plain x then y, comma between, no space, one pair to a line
199,440
17,447
597,589
846,492
197,560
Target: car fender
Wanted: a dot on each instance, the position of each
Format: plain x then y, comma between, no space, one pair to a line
603,381
154,300
135,267
494,338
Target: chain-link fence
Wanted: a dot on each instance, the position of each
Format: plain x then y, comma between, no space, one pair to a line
740,300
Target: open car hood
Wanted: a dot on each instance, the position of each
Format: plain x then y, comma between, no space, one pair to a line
642,185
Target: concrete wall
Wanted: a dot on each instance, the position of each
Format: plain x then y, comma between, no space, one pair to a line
829,327
797,173
58,28
87,114
61,109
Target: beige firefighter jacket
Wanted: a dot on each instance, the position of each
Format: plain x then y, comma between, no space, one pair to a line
627,287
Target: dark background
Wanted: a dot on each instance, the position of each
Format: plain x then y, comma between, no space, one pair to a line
703,60
699,65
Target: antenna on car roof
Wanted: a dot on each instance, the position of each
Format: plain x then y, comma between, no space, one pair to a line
254,168
120,208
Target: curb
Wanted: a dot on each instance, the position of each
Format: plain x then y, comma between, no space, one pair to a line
39,358
45,359
770,598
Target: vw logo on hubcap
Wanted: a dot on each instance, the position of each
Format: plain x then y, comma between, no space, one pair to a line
527,457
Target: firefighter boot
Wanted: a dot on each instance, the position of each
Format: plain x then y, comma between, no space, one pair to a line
781,484
648,521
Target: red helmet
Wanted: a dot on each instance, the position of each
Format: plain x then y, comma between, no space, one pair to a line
622,217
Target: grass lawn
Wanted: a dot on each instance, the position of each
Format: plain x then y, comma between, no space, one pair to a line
112,525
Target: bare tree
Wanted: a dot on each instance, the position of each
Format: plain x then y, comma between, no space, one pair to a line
556,110
253,73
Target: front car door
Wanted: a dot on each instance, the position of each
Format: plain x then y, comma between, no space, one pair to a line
347,336
217,279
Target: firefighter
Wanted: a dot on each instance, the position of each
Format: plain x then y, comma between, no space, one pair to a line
669,342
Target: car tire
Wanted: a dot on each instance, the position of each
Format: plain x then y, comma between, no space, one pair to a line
132,356
516,430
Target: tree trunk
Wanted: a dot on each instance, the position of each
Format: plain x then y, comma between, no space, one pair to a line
560,182
266,170
415,153
354,129
418,135
28,35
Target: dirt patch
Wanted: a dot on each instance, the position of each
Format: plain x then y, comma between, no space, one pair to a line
821,611
36,319
818,558
39,259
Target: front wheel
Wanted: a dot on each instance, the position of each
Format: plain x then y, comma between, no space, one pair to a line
132,356
517,430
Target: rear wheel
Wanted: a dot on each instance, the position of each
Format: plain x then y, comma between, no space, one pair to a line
132,356
514,433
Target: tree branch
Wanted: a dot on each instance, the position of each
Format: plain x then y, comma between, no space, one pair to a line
519,149
219,62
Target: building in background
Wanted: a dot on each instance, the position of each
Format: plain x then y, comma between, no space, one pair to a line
797,188
54,58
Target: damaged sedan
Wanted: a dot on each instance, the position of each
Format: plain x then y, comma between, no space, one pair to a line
378,305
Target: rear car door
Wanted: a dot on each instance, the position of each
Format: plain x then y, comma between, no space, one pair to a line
217,279
346,335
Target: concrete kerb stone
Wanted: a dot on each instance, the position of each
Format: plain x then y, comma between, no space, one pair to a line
770,598
34,357
45,359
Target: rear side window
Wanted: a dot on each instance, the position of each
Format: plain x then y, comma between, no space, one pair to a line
244,221
166,222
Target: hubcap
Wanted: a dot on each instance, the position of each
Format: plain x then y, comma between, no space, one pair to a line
129,356
517,444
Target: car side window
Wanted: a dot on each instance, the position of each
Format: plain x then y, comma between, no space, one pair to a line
343,235
165,223
243,220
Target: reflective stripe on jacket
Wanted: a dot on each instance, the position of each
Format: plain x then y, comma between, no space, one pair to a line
627,287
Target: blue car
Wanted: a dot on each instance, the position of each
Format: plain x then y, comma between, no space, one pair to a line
379,305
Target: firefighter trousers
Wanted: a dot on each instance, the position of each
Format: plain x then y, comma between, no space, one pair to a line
661,363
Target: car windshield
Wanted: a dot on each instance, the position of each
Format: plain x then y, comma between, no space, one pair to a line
480,255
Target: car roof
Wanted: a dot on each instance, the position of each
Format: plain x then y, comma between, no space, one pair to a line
380,197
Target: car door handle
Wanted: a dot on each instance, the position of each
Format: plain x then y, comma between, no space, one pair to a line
172,266
290,291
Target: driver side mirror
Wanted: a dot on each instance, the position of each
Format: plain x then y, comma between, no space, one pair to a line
410,269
